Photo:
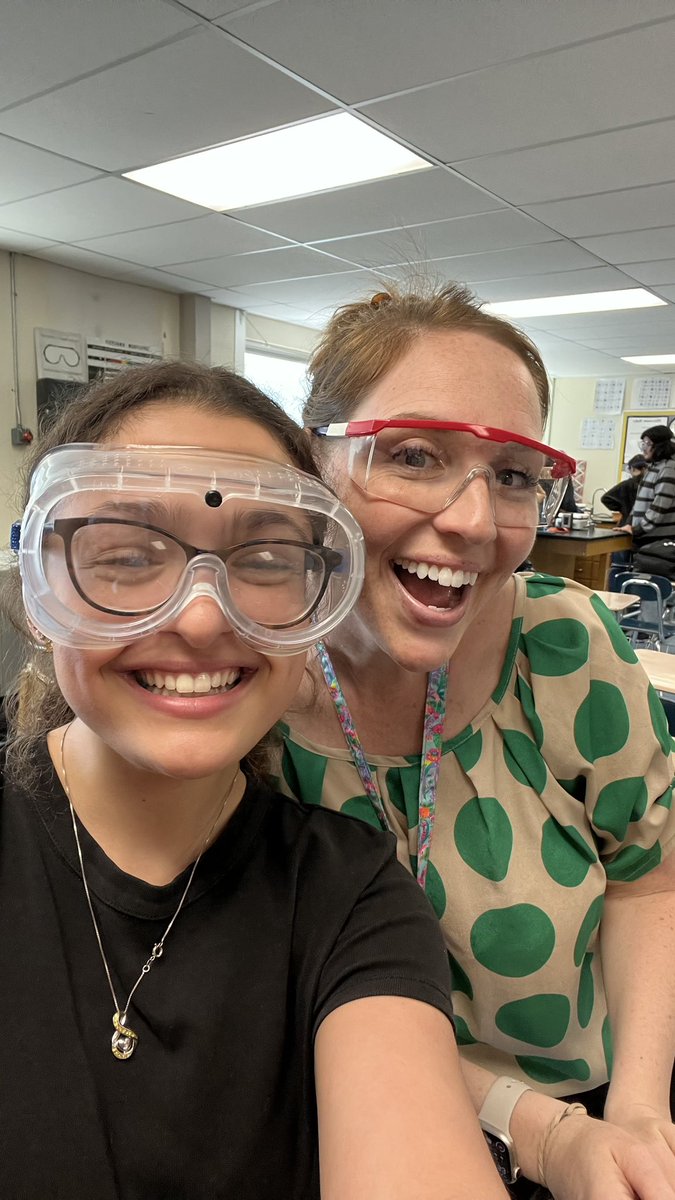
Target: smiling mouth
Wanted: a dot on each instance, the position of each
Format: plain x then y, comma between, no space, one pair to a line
204,683
431,585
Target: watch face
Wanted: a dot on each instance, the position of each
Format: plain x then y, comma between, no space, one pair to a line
501,1155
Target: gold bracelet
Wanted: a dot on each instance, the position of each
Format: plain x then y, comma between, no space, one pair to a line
570,1110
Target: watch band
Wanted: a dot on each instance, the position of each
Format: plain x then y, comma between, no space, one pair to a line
500,1102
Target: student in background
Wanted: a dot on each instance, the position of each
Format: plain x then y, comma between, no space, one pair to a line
621,497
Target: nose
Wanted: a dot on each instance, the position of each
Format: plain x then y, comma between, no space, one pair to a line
471,512
201,620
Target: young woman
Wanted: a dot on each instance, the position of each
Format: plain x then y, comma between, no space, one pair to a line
202,984
500,725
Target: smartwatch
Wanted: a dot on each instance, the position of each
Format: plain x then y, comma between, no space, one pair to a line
495,1121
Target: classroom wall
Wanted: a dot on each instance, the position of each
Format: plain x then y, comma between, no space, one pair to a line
572,401
54,297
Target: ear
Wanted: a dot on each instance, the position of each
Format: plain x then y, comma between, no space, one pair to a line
41,642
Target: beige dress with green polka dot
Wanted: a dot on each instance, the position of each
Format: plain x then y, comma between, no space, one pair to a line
563,781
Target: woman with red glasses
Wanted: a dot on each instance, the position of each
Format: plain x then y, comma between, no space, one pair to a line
501,728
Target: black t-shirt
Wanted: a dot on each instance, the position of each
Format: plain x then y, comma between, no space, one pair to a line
294,911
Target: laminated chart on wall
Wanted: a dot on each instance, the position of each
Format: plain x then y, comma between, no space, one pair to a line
598,433
609,395
652,393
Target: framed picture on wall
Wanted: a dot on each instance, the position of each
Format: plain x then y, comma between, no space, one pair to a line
634,425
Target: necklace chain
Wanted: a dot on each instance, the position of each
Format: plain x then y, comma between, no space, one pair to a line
124,1039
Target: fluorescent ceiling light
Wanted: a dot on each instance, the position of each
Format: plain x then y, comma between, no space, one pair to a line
550,306
314,156
649,360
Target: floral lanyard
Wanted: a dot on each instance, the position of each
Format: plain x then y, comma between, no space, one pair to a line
432,743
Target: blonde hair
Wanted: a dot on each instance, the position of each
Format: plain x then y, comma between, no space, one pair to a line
364,340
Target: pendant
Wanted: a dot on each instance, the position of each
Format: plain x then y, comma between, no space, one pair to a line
124,1040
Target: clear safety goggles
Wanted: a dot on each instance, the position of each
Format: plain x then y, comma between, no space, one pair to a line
427,465
116,541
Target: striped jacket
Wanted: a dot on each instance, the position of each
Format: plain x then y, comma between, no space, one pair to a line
653,514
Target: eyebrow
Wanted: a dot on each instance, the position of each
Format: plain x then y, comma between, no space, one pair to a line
261,520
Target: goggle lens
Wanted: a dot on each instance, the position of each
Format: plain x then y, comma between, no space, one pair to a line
426,470
129,569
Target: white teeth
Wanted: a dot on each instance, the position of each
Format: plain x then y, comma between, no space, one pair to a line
445,576
184,684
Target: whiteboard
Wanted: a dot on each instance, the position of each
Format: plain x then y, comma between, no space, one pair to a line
634,425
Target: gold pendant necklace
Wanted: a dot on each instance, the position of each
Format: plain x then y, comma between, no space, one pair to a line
125,1039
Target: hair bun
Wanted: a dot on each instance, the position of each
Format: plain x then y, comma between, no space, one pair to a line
380,298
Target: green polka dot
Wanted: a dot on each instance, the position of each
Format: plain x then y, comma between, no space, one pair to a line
469,751
484,837
588,924
542,1020
553,1070
434,889
617,637
403,786
524,760
565,854
601,724
460,979
360,806
513,941
586,993
544,585
666,800
608,1045
618,804
633,862
557,647
659,721
463,1033
524,694
303,771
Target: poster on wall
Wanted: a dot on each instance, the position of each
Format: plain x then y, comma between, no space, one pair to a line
653,392
634,425
609,395
597,433
60,355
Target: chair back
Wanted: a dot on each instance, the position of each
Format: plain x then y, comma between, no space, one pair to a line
649,620
663,584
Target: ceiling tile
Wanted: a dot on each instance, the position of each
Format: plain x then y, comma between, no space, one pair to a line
93,264
177,98
28,172
613,212
660,271
487,231
668,293
317,292
560,283
103,206
539,99
22,243
422,196
65,38
505,264
599,163
183,241
117,268
220,8
357,50
265,266
632,247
